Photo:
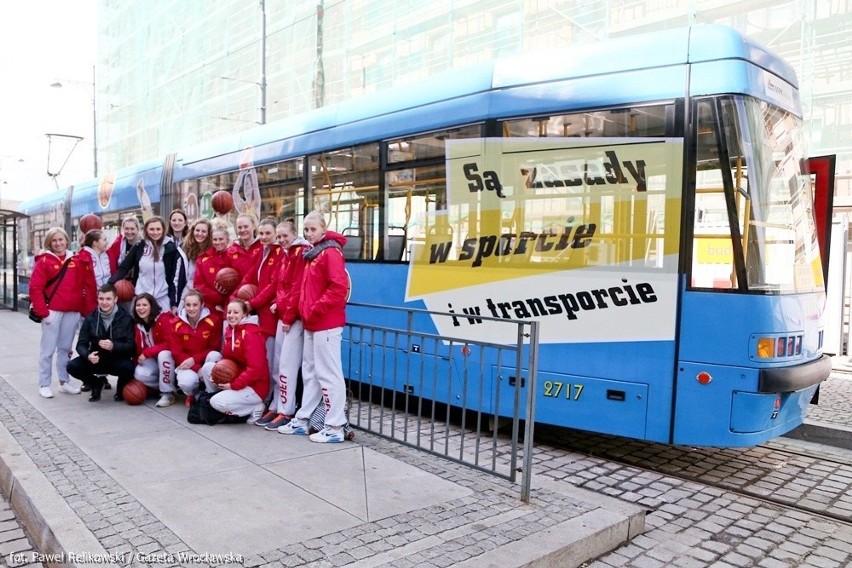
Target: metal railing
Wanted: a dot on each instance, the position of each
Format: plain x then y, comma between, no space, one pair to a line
444,395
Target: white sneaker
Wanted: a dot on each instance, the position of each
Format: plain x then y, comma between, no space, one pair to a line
166,399
328,436
256,413
45,392
68,388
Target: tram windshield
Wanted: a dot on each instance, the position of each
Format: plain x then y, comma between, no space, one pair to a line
754,226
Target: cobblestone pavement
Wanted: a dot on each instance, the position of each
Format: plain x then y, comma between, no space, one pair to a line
692,524
16,548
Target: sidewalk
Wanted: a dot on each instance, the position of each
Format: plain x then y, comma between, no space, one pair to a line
830,422
109,483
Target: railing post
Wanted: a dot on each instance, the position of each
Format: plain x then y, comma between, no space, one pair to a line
529,423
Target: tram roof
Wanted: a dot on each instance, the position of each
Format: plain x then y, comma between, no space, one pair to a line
498,88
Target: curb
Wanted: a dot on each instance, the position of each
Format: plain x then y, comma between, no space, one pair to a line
57,532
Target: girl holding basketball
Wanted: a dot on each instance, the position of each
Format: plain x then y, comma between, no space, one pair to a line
322,307
262,276
245,346
154,363
289,336
208,265
196,335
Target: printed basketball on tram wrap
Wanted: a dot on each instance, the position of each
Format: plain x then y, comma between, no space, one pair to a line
223,202
247,292
90,222
224,371
227,280
135,392
125,290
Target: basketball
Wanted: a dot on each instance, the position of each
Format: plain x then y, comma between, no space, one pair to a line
224,371
135,392
125,290
90,222
247,292
222,202
227,280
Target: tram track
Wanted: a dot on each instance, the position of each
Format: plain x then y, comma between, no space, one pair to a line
795,477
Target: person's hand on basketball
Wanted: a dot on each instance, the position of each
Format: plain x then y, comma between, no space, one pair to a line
224,386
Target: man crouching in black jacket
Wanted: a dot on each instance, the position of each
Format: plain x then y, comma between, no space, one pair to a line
106,345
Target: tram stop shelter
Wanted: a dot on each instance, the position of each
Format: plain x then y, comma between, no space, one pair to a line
9,258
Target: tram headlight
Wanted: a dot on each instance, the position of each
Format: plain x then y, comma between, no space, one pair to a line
766,348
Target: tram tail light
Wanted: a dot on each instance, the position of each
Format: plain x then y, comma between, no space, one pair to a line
766,348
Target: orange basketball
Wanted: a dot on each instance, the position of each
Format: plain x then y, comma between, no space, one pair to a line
227,280
135,392
90,222
222,202
125,290
247,292
224,371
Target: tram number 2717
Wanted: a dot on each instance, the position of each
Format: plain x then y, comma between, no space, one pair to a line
556,389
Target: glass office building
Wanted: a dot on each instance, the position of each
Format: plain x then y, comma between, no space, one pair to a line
175,72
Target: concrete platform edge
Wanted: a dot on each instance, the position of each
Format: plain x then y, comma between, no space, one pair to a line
823,433
57,532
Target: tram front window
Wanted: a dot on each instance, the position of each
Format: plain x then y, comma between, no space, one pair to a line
771,246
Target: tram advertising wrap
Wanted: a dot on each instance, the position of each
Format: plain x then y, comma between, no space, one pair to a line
581,235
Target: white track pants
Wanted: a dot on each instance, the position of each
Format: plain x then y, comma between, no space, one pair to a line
322,374
236,403
188,380
57,336
291,345
157,373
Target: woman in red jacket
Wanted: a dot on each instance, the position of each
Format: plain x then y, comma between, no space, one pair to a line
55,295
289,336
95,265
131,233
195,335
244,344
154,364
208,265
262,275
322,307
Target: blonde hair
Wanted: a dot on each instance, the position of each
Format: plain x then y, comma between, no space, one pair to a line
316,216
52,232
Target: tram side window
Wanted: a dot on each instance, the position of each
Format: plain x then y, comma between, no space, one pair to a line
269,190
648,121
344,186
415,193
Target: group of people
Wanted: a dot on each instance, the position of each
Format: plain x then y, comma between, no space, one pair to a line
182,322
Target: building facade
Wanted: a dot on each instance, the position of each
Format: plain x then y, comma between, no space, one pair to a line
172,73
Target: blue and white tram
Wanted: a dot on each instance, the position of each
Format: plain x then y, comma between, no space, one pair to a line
642,198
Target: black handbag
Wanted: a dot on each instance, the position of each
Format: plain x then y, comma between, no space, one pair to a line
58,278
32,315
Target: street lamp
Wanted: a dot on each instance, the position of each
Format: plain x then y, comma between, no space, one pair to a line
59,84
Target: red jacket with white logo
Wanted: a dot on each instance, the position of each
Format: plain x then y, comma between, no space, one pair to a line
325,285
245,344
208,264
67,296
150,342
288,281
263,276
186,340
243,260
